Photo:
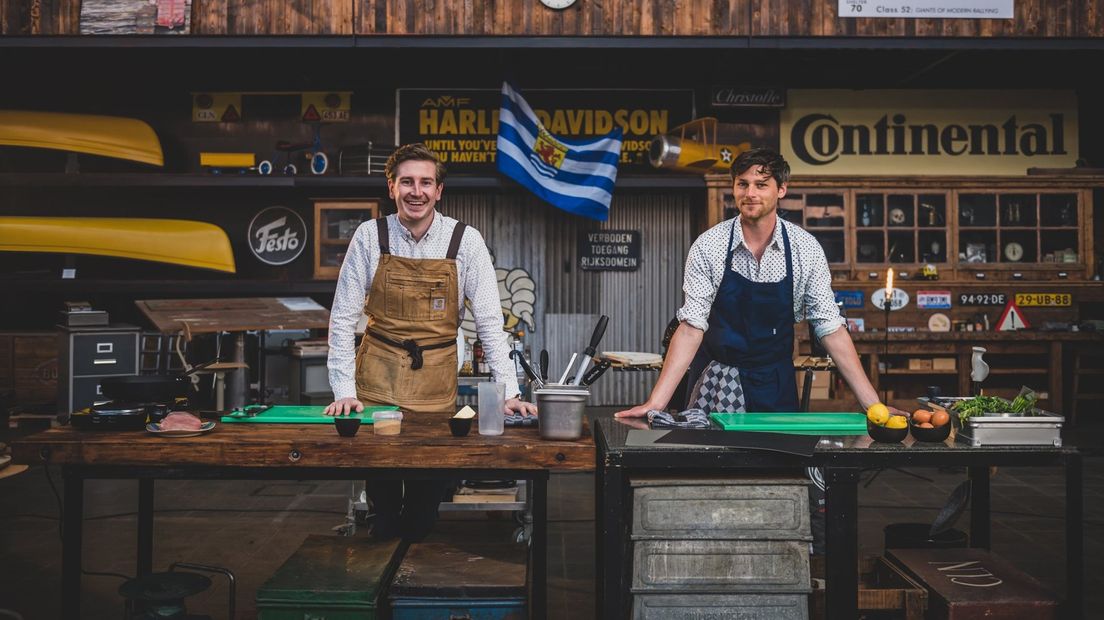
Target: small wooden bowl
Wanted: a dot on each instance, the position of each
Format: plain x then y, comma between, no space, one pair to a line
460,427
888,435
937,434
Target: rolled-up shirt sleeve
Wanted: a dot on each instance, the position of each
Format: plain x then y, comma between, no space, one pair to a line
353,283
819,301
699,286
481,291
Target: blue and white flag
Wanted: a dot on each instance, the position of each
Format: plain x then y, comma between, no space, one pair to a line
575,176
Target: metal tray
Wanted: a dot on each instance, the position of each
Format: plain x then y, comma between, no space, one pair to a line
1042,428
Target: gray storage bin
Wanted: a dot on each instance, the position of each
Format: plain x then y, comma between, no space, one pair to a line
720,606
738,509
720,565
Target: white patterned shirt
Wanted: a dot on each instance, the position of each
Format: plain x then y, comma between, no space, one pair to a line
475,278
813,298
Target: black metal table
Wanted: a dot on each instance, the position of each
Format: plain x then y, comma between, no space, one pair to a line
842,459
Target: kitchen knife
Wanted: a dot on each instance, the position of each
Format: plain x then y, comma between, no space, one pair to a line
544,365
588,354
520,357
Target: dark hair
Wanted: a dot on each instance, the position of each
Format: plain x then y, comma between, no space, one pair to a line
413,152
770,161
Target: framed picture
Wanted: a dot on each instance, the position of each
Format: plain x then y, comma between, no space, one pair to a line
335,221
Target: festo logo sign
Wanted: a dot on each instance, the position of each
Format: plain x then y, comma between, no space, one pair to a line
819,139
277,235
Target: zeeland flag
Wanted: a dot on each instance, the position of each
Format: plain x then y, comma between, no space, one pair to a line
576,176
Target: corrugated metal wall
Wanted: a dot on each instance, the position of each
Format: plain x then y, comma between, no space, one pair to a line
524,232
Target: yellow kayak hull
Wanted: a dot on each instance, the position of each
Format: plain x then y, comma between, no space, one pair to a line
107,136
177,242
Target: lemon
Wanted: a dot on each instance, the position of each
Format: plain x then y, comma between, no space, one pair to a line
878,414
897,421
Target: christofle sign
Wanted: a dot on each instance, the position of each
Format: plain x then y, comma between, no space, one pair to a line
946,132
277,235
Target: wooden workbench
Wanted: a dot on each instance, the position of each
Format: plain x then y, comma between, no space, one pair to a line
425,449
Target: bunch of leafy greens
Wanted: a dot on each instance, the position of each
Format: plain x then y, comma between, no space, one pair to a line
980,405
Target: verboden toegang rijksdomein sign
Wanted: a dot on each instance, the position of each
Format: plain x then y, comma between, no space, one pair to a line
932,132
461,125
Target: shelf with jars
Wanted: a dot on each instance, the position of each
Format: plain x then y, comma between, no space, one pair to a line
968,229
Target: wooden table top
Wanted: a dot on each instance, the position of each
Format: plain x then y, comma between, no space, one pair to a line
230,315
425,443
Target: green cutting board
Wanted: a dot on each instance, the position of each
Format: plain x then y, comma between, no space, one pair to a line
804,423
299,414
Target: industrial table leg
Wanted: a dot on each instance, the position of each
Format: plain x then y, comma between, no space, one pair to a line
71,521
979,507
145,526
539,545
614,554
1075,551
842,543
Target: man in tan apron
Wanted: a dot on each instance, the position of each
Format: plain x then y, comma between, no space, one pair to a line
417,267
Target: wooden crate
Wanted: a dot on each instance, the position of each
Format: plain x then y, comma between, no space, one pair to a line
29,366
883,588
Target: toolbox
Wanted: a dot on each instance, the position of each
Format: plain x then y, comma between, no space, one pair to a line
474,579
331,577
964,584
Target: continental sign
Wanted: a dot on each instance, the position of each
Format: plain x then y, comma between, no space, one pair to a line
461,126
897,132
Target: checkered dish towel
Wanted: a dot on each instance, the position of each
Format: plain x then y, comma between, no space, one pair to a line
691,418
718,389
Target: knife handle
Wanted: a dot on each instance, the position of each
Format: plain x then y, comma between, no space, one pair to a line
544,364
596,337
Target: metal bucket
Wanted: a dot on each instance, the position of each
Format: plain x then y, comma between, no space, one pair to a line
560,411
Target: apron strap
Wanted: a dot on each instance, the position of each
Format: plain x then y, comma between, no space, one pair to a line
454,243
411,347
384,235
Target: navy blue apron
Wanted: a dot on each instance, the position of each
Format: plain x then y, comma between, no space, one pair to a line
751,328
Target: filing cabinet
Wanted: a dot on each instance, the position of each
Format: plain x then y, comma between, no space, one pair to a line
87,355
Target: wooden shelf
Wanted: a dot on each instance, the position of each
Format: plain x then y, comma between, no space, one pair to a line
165,287
1019,371
905,371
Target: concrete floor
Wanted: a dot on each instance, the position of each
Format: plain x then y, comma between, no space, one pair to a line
252,527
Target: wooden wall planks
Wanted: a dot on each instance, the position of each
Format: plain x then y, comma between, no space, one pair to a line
717,18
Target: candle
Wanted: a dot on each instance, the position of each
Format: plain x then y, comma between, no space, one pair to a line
889,286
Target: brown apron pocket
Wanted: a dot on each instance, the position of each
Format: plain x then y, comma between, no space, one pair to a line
416,298
435,380
379,371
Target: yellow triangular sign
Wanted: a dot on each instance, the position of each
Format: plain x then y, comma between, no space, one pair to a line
1012,318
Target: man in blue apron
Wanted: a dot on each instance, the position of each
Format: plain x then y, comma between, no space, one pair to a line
748,280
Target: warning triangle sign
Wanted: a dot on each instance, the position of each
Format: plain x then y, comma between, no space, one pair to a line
1012,318
231,114
311,114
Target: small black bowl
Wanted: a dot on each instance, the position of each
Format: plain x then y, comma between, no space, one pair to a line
347,426
460,427
938,434
888,435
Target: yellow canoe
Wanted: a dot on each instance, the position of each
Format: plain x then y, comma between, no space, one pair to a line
108,136
178,242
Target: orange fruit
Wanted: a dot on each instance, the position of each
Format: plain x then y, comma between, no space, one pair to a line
920,416
939,418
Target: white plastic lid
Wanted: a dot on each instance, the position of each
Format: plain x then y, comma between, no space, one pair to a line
387,415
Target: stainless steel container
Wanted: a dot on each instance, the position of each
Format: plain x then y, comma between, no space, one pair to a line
560,411
1041,428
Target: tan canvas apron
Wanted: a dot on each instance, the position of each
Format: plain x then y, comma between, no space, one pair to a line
408,354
